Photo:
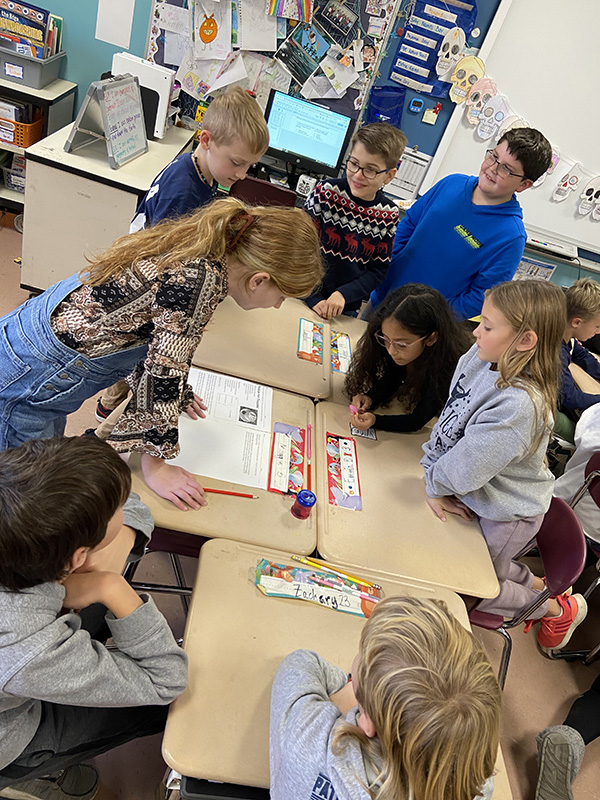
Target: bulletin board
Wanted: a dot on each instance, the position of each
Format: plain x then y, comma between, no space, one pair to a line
543,57
339,23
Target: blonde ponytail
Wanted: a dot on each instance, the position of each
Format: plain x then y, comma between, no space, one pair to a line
280,241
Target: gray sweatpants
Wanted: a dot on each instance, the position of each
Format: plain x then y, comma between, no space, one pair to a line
504,541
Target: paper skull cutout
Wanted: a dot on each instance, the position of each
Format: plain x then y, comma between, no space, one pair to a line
510,122
568,183
468,70
492,115
450,52
479,94
590,196
551,168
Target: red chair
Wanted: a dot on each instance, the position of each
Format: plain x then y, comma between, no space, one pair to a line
257,192
562,548
590,484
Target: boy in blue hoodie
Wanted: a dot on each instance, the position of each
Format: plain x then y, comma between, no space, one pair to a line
466,233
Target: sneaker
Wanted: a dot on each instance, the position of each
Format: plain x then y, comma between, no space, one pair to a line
560,753
555,632
102,412
79,781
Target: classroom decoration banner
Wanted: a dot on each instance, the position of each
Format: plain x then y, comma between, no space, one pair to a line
432,46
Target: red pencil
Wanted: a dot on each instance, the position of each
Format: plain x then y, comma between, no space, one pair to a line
233,494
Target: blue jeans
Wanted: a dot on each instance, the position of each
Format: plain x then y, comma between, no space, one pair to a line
41,379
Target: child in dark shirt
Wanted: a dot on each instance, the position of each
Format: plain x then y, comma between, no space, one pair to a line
409,353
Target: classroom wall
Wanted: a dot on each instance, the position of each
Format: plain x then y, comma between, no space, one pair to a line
87,57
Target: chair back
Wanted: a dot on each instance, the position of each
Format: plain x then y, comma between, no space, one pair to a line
593,466
262,193
562,546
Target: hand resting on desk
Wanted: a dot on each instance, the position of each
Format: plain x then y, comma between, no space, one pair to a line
173,483
450,504
332,307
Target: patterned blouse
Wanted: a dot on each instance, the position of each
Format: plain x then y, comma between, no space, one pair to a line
168,310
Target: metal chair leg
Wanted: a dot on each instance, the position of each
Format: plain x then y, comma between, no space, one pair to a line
506,652
592,654
179,576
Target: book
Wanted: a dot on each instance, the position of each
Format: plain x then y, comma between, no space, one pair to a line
23,28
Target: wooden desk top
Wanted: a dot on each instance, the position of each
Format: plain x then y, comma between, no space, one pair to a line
135,176
396,532
235,638
266,522
584,381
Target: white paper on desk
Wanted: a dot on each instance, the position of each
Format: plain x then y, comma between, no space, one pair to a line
233,442
113,22
257,29
176,46
174,19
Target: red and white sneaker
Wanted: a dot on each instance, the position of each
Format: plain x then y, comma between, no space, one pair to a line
555,632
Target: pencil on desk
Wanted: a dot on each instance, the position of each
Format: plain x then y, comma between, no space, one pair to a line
232,494
339,572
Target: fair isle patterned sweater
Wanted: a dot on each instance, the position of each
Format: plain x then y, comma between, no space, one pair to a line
357,237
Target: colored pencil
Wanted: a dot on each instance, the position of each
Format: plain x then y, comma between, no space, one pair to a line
308,455
232,494
340,573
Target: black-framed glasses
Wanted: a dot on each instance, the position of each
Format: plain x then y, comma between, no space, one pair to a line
384,341
370,174
502,169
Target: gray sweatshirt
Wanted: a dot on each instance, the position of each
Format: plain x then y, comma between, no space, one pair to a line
303,721
44,656
478,449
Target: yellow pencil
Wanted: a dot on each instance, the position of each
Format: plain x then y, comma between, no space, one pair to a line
339,572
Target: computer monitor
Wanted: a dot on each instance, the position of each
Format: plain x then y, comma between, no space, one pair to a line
307,135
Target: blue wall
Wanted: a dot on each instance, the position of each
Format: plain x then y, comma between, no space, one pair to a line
87,57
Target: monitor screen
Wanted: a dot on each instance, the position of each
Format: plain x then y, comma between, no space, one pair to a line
305,134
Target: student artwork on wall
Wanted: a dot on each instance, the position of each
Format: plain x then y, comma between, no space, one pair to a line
300,10
303,51
212,29
589,199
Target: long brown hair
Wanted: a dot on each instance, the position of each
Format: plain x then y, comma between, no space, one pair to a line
539,306
280,241
434,701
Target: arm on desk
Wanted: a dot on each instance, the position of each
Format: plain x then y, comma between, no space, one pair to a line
302,715
584,359
571,396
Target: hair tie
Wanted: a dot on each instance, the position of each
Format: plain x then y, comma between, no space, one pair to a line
249,220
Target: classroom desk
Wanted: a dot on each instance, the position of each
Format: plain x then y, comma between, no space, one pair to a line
266,522
396,532
583,380
218,729
77,204
261,345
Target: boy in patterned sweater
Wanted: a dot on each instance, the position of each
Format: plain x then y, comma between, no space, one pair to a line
356,221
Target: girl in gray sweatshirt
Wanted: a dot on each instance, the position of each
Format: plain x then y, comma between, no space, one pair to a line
419,719
486,454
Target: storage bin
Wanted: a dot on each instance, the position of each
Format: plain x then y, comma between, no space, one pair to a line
29,71
20,134
14,180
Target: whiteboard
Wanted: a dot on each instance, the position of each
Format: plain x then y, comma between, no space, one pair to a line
545,57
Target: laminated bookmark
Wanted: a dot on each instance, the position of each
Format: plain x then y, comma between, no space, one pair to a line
341,353
310,341
343,484
286,473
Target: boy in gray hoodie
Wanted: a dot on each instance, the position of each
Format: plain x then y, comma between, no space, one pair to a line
63,696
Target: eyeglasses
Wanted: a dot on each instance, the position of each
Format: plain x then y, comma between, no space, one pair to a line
370,174
501,169
383,340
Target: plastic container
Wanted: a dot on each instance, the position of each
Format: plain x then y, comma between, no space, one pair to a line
20,134
303,503
14,180
29,71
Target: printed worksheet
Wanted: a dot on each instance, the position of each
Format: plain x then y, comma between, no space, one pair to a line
233,442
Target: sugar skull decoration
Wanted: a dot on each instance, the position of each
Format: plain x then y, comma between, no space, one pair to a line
208,29
568,183
479,94
467,71
492,116
590,198
450,52
510,123
551,168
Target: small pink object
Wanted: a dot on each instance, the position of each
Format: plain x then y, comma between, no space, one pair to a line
353,409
